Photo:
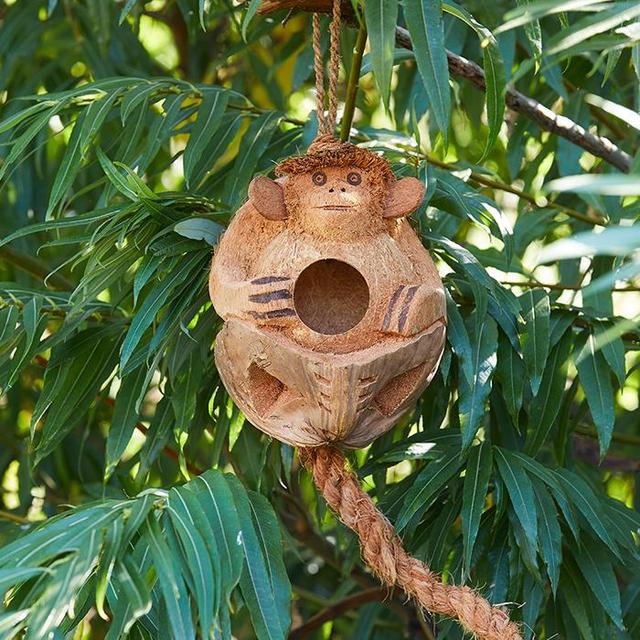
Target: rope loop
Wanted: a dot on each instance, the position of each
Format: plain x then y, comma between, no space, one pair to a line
327,121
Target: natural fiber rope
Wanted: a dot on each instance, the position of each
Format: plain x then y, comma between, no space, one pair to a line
382,550
326,124
319,73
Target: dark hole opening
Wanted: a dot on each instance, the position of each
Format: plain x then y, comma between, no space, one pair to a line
331,296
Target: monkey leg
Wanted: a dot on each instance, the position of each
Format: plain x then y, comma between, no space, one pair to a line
413,308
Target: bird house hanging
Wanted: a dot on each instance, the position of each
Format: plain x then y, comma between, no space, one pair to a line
335,313
334,323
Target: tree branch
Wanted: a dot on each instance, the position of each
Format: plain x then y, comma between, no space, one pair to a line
37,268
336,610
534,110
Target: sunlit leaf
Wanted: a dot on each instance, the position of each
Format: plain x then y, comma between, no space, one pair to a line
424,20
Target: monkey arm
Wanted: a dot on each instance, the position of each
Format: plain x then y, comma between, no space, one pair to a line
413,308
233,290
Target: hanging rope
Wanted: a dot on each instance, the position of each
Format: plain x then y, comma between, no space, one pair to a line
327,123
382,550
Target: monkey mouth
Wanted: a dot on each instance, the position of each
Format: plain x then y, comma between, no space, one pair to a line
336,207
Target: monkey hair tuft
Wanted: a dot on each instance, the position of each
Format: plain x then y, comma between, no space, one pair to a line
327,151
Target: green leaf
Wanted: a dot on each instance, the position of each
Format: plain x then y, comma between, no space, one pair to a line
129,598
183,510
381,17
126,10
264,583
112,546
253,145
609,342
520,491
424,21
248,16
510,374
549,533
171,583
24,114
428,483
66,577
17,575
125,417
535,335
200,229
530,11
592,25
476,482
153,302
218,501
615,184
459,338
494,72
157,435
79,369
81,138
533,32
573,594
595,565
586,502
473,395
19,145
595,378
544,408
210,113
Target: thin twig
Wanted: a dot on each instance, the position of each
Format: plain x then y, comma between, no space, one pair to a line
13,517
523,195
338,609
37,268
620,438
560,287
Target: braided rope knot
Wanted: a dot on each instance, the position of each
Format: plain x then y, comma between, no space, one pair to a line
382,550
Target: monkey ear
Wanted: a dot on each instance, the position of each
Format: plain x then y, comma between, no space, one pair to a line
404,197
267,197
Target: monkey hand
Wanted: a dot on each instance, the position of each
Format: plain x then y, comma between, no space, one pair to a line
269,299
412,309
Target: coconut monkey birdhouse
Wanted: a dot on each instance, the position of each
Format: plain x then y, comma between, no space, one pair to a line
334,311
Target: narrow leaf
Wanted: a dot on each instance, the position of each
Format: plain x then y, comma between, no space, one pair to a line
424,21
381,17
476,482
536,312
520,492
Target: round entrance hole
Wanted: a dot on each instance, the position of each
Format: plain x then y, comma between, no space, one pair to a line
331,296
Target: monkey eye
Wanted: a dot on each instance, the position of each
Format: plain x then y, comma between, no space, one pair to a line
354,178
319,178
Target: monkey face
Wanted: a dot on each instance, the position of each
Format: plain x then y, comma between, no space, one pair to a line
337,191
336,202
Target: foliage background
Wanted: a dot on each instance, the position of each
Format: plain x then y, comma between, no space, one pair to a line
134,497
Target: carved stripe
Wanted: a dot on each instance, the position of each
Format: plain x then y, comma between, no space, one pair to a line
392,304
280,313
269,279
276,313
405,308
270,296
